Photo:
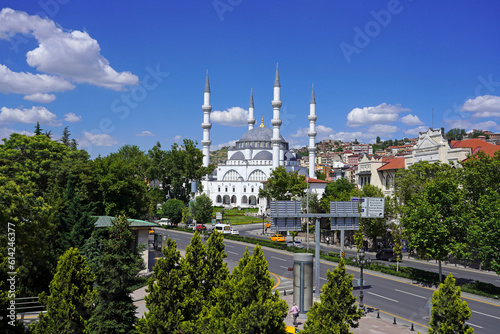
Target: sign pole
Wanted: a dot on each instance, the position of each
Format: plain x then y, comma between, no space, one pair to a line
317,255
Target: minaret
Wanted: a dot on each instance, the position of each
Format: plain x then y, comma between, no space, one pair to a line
251,118
276,121
312,134
206,125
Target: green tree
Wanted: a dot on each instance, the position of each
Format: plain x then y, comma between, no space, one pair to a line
65,137
456,134
448,312
337,312
476,133
69,304
378,140
218,271
38,129
172,209
283,185
246,302
433,219
116,275
321,176
202,209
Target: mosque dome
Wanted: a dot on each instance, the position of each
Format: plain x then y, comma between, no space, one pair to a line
260,133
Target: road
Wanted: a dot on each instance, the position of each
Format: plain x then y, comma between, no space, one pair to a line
394,297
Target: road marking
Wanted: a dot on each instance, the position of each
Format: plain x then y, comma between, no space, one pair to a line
278,279
232,252
230,246
371,293
323,278
471,324
412,294
488,315
278,258
284,267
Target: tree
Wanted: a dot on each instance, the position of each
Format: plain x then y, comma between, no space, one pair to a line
378,140
476,133
337,311
321,176
38,129
355,142
283,185
65,137
448,312
246,302
202,209
116,275
69,304
172,210
433,219
456,134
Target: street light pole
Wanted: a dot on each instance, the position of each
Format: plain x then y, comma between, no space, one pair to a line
362,261
263,216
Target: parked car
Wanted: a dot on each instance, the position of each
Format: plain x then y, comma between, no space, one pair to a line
189,225
235,232
201,227
277,237
386,254
297,244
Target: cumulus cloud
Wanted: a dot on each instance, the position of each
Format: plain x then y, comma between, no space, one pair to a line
382,129
40,98
351,136
73,55
483,106
28,116
6,132
469,125
416,131
321,130
383,113
72,118
29,83
145,133
219,146
96,139
178,137
411,120
234,116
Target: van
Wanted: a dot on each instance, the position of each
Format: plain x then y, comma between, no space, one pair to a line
166,222
223,228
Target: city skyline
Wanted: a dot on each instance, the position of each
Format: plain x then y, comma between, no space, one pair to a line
118,73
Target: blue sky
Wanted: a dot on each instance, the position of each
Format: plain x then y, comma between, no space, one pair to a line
124,72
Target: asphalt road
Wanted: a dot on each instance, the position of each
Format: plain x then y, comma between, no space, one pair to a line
393,297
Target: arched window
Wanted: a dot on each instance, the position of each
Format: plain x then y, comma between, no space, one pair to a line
226,199
244,189
244,200
252,200
219,199
252,189
226,188
257,175
234,189
219,189
389,181
231,175
233,199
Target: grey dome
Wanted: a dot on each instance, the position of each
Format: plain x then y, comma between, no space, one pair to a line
290,156
263,155
259,134
237,156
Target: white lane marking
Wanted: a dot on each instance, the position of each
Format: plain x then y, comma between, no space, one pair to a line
488,315
232,252
278,258
229,246
412,294
471,324
371,293
323,278
284,267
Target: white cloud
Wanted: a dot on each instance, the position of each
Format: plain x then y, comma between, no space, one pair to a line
219,146
145,133
321,130
234,116
29,83
483,106
416,131
469,125
96,139
351,136
70,54
6,132
411,120
72,118
40,98
382,130
178,137
29,116
383,113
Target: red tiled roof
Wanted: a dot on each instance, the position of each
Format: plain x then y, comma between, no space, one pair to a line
476,145
396,163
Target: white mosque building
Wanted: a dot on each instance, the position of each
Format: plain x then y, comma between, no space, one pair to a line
259,151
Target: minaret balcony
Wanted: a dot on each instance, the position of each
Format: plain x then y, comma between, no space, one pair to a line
276,104
206,107
206,126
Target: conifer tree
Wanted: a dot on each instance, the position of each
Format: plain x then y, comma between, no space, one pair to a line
38,129
165,301
337,311
448,312
218,271
65,137
116,275
69,304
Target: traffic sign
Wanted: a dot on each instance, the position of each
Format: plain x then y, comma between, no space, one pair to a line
375,207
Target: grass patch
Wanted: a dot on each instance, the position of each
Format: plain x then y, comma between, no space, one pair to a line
237,217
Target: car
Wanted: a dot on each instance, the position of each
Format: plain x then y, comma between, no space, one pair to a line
386,254
201,227
277,237
295,243
235,232
189,225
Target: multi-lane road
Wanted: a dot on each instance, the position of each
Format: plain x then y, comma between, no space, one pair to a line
393,297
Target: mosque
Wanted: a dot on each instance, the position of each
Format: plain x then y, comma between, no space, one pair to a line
237,181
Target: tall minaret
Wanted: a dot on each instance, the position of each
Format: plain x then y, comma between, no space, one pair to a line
276,121
206,125
312,134
251,118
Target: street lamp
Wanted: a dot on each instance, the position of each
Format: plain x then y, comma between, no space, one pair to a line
222,213
362,261
263,223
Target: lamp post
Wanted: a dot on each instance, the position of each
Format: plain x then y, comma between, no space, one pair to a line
222,213
263,223
362,261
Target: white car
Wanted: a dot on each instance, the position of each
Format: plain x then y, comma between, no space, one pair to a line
235,232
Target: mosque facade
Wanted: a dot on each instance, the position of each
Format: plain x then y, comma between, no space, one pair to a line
237,181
